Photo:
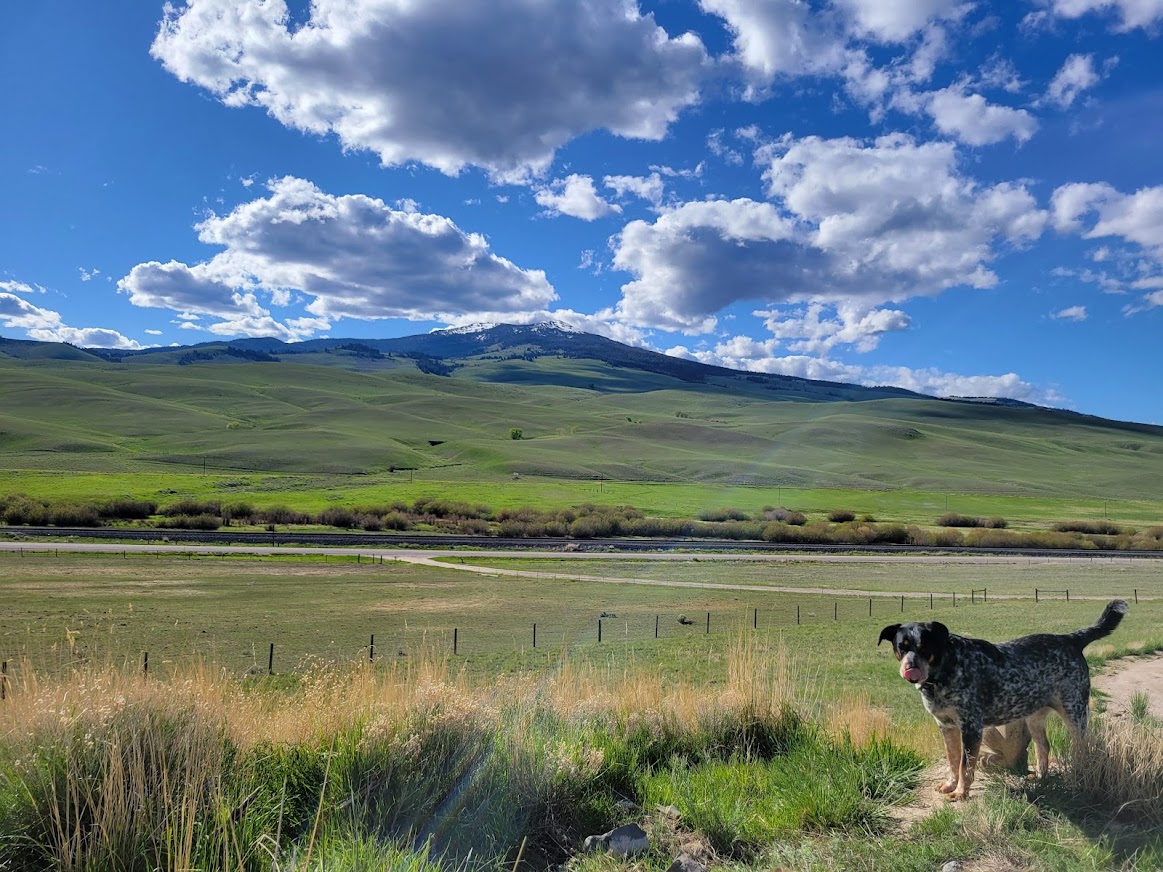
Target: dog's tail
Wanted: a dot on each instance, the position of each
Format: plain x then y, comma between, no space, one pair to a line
1104,626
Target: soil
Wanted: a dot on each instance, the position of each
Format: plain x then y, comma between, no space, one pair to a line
1125,677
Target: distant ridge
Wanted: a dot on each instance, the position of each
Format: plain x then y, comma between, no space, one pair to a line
546,338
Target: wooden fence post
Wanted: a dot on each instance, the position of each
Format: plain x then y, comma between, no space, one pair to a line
271,660
371,649
755,619
599,629
797,615
4,679
656,626
145,663
455,640
534,634
708,623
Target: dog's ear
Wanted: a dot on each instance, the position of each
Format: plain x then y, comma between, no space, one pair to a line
888,633
938,639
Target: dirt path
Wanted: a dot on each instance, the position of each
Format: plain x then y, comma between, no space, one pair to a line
1128,676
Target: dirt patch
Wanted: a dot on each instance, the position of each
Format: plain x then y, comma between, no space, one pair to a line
1123,678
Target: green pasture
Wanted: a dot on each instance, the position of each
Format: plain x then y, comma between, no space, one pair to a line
62,610
314,492
332,433
1106,577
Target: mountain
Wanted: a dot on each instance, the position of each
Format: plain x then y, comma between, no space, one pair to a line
584,406
454,347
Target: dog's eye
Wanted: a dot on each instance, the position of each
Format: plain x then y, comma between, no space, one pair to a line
904,645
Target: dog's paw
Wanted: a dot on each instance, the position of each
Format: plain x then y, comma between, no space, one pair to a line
946,787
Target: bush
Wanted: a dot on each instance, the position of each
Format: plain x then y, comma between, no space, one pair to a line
1102,528
281,515
70,515
127,510
397,521
21,509
724,514
338,516
191,507
995,523
841,516
952,519
191,522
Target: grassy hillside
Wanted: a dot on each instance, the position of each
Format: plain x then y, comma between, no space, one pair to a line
578,419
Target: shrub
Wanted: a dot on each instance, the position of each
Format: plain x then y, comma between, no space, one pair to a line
952,519
191,522
237,511
21,509
841,516
338,516
397,521
1102,528
191,507
281,515
74,515
724,514
371,523
995,523
127,510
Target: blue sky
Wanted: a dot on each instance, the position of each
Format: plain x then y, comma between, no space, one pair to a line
961,198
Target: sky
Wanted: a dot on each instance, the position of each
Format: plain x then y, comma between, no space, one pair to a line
959,198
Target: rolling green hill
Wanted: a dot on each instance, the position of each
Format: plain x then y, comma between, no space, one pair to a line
364,408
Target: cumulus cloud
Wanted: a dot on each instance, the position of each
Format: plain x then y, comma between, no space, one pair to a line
349,256
1070,313
897,21
849,222
1077,75
45,325
574,195
775,38
973,120
853,325
1131,13
1097,211
649,188
743,353
500,85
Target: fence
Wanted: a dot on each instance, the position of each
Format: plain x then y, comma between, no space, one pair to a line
452,641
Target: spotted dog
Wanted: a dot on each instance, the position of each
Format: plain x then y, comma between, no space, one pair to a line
968,684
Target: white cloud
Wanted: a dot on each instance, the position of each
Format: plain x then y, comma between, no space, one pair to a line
352,256
649,188
852,222
575,195
1097,211
500,85
779,37
14,287
1132,13
1070,313
747,354
854,325
973,120
45,325
1077,75
897,21
88,274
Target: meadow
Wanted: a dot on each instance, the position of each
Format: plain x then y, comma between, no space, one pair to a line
507,756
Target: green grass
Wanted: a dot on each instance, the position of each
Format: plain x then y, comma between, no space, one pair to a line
1108,576
330,424
228,610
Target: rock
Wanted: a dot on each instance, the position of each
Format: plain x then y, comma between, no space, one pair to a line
954,865
686,863
670,811
624,841
1006,747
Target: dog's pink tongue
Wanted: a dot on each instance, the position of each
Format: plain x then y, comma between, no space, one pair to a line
912,674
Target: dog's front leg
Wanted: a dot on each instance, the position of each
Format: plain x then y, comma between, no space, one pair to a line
970,746
952,736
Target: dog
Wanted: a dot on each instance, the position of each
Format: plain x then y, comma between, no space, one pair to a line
968,684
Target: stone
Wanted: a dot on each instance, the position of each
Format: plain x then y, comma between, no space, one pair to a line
953,865
623,841
686,863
